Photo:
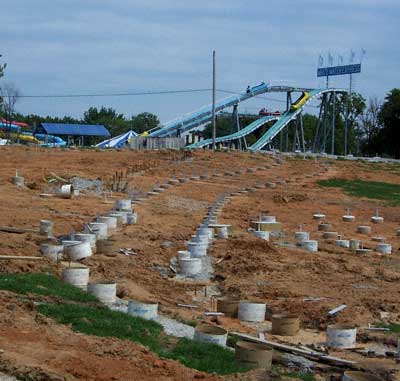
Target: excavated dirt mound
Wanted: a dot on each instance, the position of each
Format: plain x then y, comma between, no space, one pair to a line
279,273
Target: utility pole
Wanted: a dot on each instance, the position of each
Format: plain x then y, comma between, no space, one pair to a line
213,105
333,122
346,129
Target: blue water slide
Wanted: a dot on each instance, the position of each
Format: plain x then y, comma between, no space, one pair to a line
237,135
51,140
204,114
286,118
12,127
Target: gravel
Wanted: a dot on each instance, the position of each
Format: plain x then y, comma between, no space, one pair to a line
90,186
175,328
171,327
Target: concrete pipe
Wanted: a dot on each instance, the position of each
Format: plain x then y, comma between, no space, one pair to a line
53,252
19,181
330,235
342,243
66,191
229,307
98,228
183,254
253,355
203,230
106,292
300,237
377,220
190,266
122,217
310,245
324,227
363,229
197,249
105,246
46,228
209,333
132,218
285,325
222,232
354,244
341,336
360,376
124,205
384,248
348,218
77,250
251,311
264,235
111,222
76,276
148,311
86,237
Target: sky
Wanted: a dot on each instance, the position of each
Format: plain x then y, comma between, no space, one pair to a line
122,46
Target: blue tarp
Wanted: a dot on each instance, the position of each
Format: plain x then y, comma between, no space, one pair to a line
72,129
117,141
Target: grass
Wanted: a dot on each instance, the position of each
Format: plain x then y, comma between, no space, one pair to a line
106,323
205,357
368,189
103,322
395,328
43,284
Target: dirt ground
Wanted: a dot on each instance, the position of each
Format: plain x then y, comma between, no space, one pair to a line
277,272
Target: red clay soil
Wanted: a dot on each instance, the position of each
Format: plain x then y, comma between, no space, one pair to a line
281,276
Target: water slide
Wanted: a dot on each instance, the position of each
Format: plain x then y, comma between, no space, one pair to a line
204,114
237,135
50,140
288,116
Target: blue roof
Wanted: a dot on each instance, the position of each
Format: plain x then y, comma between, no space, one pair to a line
73,129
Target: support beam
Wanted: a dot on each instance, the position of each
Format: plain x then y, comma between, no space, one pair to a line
213,103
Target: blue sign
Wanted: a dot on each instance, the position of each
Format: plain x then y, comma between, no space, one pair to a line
338,70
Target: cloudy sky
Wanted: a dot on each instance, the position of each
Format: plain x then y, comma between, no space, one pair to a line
120,46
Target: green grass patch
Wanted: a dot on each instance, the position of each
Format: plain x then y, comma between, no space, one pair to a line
43,284
395,328
205,357
368,189
106,323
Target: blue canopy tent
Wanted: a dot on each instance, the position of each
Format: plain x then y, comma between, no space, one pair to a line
71,130
118,141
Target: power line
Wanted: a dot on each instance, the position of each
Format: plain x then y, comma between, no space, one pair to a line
115,94
144,93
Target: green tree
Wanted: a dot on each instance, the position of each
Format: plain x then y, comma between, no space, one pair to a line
114,122
389,116
144,121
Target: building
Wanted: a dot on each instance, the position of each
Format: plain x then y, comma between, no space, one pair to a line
79,134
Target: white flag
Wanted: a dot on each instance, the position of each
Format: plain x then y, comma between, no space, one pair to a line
330,59
320,61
